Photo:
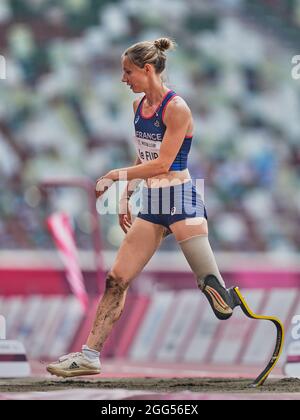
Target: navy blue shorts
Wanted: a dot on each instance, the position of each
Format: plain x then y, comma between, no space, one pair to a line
168,205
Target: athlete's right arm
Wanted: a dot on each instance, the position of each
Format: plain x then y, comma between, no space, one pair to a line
131,185
125,220
124,206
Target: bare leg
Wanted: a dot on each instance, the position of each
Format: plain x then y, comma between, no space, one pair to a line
133,255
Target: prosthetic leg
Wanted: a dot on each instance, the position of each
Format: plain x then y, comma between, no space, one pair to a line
199,255
279,338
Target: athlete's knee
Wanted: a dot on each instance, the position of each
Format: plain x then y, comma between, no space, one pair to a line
116,282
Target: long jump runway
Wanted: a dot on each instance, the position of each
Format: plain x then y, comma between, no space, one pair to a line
122,380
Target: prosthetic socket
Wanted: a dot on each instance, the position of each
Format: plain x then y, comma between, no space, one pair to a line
199,255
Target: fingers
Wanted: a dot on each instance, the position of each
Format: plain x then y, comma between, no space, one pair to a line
124,223
102,185
123,228
98,194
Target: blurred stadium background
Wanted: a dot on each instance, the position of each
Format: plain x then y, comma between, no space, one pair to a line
64,114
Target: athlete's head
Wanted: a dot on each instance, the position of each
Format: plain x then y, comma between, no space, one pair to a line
144,62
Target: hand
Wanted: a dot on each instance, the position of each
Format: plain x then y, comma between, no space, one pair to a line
103,183
125,220
106,181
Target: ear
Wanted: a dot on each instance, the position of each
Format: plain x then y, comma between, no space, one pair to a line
148,68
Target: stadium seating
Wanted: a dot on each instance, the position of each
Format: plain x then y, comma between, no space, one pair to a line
63,111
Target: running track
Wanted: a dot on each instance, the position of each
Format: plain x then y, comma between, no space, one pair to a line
125,369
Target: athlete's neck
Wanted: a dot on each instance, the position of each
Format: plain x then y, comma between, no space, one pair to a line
155,95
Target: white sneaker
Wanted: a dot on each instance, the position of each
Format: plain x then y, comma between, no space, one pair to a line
74,364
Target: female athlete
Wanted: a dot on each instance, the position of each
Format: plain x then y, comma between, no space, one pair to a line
164,131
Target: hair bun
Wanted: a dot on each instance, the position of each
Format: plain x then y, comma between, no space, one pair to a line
164,44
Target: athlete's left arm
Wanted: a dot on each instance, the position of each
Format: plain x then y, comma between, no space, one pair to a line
177,118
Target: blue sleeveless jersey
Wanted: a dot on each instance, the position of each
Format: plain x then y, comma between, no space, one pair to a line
149,133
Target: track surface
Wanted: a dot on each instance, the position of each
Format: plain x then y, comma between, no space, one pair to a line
151,382
214,385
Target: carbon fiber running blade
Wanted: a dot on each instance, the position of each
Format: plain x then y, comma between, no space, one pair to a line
279,338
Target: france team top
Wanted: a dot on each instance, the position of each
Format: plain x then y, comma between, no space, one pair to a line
149,133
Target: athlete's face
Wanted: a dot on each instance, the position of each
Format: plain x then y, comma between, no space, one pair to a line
134,76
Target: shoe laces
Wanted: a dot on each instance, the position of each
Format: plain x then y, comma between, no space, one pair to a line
69,356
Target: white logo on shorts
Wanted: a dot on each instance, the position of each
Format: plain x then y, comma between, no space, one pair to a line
173,211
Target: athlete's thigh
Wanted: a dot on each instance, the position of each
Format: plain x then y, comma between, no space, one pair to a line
185,229
137,248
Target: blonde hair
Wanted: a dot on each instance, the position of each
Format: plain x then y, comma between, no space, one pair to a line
150,52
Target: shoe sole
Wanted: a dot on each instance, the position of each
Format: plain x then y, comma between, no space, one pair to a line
223,310
214,292
71,373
